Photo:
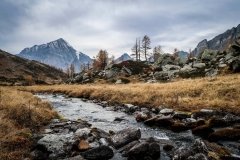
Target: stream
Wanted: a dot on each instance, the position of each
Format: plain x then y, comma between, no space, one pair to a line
105,119
75,108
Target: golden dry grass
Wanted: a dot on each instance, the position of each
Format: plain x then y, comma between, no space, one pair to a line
20,115
222,92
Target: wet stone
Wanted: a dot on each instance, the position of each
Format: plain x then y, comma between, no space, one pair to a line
125,136
204,113
79,157
181,115
57,143
118,119
98,133
168,147
127,147
225,134
144,150
82,133
203,131
166,111
103,141
142,116
102,152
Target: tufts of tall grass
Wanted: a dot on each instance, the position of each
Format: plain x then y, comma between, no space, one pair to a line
21,114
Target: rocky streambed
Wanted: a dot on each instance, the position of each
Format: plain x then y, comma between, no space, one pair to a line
96,130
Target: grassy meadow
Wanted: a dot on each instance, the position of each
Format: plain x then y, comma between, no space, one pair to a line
221,92
21,114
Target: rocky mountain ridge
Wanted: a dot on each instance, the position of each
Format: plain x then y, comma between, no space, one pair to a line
220,42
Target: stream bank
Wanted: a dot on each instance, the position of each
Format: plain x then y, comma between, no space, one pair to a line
94,130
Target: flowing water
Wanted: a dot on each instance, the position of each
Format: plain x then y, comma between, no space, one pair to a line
103,118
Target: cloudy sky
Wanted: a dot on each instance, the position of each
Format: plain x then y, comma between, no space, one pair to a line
90,25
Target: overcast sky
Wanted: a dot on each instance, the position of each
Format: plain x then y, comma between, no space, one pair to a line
90,25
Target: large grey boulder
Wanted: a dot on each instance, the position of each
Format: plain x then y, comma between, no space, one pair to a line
165,59
208,55
188,152
57,144
78,78
82,133
169,67
211,72
168,72
235,64
188,71
162,76
166,111
144,150
110,73
126,70
125,136
199,65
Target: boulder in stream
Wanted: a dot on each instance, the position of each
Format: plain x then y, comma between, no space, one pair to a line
186,152
102,152
57,144
125,136
203,131
167,111
82,133
225,134
144,150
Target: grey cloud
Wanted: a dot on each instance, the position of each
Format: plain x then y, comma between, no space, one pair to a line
89,25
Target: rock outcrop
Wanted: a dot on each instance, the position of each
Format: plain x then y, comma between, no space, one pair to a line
220,42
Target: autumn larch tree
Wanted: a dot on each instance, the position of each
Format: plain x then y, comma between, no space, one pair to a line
101,60
146,42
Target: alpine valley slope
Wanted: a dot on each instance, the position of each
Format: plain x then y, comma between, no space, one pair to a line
57,53
15,70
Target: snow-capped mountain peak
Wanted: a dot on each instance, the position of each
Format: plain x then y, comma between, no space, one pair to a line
57,53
